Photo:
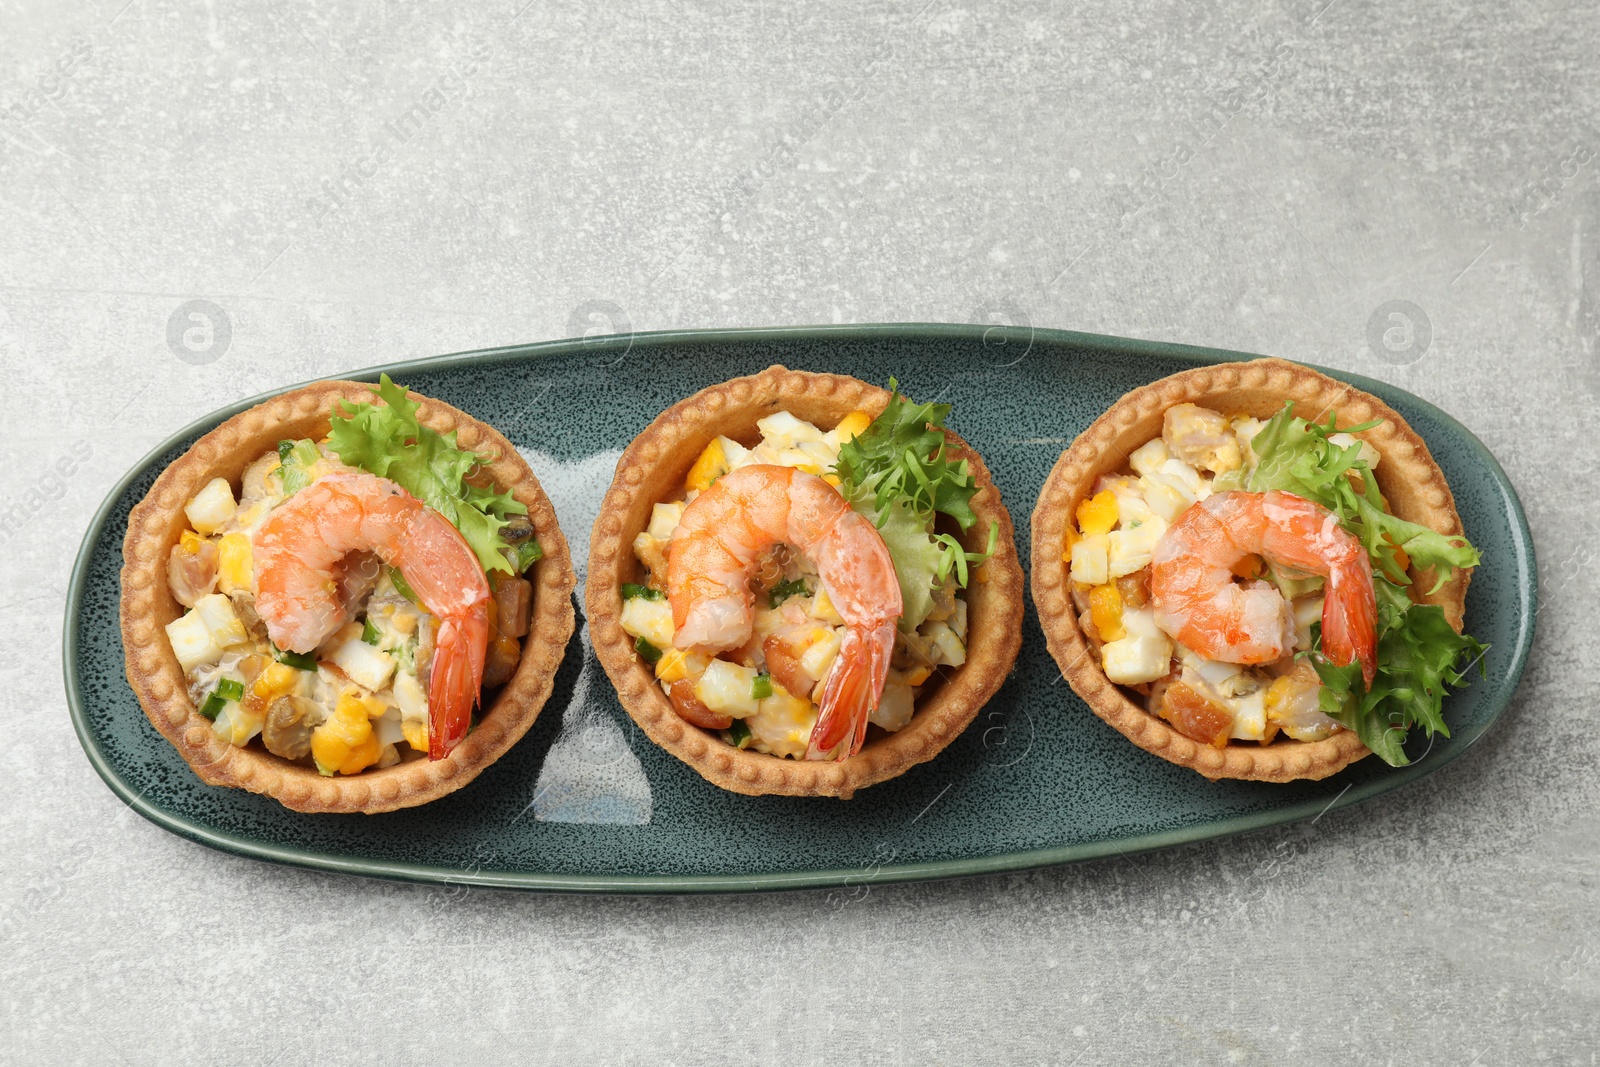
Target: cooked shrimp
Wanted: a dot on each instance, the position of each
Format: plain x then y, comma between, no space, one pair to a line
300,552
1198,603
719,543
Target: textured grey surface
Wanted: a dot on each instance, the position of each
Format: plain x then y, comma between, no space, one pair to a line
1256,176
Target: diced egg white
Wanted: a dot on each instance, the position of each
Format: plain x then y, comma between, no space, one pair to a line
786,430
1089,559
1307,610
409,695
1142,654
367,666
1249,715
664,518
1148,457
894,708
1164,499
216,611
192,642
649,619
782,723
1368,454
211,506
819,655
1130,549
726,688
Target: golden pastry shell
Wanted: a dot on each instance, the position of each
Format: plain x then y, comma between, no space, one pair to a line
652,469
148,605
1407,475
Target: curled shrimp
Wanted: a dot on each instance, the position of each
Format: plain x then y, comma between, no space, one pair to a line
300,552
719,543
1198,603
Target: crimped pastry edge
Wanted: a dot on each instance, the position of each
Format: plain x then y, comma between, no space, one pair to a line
147,606
1407,475
652,469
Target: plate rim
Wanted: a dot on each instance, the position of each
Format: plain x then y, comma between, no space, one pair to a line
1527,587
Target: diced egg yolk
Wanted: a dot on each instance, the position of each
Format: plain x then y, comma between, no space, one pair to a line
1098,514
712,464
345,743
235,562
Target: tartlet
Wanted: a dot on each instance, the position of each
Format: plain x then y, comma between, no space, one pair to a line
653,468
1408,477
148,605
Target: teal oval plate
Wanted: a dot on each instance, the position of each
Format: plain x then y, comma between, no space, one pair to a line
586,802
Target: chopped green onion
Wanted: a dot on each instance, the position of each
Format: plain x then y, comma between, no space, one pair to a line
761,686
228,689
401,586
284,448
369,633
650,652
213,706
300,661
784,590
527,554
739,734
631,591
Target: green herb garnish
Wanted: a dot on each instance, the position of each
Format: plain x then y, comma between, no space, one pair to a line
898,471
784,590
1418,652
630,591
389,441
369,633
739,734
650,652
761,686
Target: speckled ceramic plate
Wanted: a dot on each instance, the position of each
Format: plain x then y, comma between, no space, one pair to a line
586,802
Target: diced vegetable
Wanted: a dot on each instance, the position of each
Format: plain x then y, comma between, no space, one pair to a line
300,661
631,591
761,686
527,554
401,586
370,633
650,652
739,734
784,590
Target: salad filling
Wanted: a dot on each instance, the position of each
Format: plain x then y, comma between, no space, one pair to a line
762,582
342,665
1247,579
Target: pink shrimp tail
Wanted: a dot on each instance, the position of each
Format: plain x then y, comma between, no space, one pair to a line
456,678
851,694
1350,617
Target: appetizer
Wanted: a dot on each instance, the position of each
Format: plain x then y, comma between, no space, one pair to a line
821,592
336,610
1270,595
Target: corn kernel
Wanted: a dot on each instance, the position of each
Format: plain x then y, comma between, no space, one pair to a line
1105,607
1098,514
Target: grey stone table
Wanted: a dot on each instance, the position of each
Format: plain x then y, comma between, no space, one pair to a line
1405,190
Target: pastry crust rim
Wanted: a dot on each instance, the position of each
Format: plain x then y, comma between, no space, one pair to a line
146,605
1407,474
995,607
